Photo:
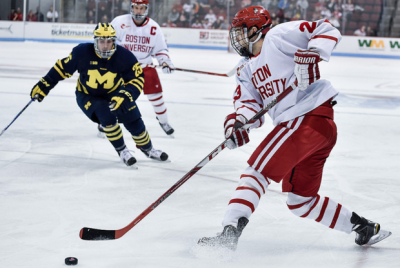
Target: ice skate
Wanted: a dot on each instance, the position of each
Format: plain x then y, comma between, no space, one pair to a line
101,133
228,238
155,154
126,157
367,232
166,127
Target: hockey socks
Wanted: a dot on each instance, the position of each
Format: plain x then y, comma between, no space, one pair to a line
143,140
321,209
114,135
245,199
159,107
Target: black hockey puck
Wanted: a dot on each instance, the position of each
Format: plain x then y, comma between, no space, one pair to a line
71,261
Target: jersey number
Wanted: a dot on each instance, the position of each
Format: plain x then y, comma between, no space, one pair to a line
68,59
95,76
137,69
238,94
310,28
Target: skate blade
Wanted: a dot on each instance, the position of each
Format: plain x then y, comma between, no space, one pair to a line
158,160
171,136
133,167
101,135
379,237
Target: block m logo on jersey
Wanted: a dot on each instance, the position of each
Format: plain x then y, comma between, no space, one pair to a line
95,78
371,44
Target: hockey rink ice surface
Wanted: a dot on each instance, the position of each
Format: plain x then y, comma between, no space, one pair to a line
57,176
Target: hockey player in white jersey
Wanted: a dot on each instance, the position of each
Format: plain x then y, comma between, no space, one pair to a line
144,38
305,133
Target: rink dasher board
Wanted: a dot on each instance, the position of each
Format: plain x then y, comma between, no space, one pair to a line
350,46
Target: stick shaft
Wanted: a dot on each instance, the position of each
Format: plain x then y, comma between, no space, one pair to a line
229,74
26,106
98,234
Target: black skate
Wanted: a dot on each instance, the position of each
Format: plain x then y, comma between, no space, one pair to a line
367,232
126,157
167,128
228,238
155,154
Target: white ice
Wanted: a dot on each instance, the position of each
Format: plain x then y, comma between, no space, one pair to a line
56,176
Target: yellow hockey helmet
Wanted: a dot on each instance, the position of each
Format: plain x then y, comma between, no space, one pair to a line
102,33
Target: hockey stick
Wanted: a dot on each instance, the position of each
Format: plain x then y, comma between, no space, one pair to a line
229,74
29,103
98,234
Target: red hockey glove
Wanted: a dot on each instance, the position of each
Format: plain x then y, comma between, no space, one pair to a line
306,67
236,136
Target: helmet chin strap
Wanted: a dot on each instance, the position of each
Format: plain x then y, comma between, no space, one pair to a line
255,41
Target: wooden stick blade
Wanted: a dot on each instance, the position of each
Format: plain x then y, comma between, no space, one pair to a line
96,234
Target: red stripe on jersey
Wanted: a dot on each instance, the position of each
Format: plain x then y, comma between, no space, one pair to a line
243,202
321,214
339,207
325,36
162,54
251,189
162,112
259,183
158,105
244,106
313,206
251,101
299,205
156,99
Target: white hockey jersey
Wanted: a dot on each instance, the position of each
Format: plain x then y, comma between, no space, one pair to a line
262,77
145,41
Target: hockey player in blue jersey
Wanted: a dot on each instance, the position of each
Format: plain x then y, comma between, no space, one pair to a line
110,81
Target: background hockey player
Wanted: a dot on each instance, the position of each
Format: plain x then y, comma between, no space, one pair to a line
144,38
109,83
305,133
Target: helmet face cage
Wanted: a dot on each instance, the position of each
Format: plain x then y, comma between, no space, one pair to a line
239,40
104,31
106,53
139,17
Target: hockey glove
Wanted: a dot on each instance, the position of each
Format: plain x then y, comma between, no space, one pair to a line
122,102
236,136
306,67
40,90
168,68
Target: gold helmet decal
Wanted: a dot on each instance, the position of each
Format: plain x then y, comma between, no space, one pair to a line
104,30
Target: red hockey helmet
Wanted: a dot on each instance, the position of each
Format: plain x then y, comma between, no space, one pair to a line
244,20
140,17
